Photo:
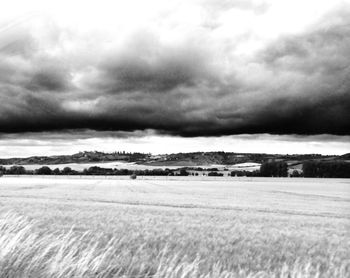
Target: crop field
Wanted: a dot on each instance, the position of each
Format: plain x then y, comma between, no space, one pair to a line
135,166
82,166
174,227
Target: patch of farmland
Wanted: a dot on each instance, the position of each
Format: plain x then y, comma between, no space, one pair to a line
247,166
82,166
175,227
136,166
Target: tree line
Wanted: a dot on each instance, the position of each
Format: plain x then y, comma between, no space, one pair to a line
310,169
326,169
95,170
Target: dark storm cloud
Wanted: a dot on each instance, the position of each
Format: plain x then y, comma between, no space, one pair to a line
26,62
71,134
324,138
145,64
318,92
51,78
298,84
326,51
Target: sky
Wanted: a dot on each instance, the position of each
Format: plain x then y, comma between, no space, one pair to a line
268,76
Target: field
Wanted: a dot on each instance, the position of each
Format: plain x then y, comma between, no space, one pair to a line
135,166
174,227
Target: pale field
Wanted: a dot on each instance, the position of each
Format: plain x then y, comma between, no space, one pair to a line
82,166
133,166
174,227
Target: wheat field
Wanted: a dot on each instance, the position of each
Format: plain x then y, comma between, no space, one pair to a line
183,227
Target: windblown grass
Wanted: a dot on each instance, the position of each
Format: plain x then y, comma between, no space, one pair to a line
27,251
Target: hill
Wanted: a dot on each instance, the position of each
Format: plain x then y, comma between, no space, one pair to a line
177,159
81,157
345,157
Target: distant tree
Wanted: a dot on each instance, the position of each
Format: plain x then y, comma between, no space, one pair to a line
215,174
183,172
56,171
212,169
67,171
85,172
239,173
95,170
17,170
296,174
274,169
282,169
125,172
2,171
326,169
43,171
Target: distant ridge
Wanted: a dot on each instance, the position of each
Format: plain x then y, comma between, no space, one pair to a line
81,157
178,159
345,156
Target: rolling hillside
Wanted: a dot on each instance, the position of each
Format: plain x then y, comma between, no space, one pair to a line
178,159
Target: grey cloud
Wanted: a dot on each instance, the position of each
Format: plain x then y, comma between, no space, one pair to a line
325,138
299,85
324,48
148,65
50,78
27,64
70,134
321,50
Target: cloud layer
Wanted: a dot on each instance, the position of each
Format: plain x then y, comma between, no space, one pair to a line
207,68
